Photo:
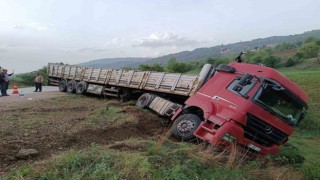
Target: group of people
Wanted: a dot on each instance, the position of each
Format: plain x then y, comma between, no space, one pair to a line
4,81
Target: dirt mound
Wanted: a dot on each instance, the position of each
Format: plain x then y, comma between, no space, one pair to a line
88,136
51,128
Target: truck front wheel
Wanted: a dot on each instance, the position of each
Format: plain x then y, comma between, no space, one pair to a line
184,126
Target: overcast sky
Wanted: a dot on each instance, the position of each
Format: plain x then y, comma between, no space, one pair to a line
35,32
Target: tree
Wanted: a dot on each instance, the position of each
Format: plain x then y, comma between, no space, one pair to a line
158,67
144,67
285,46
177,67
271,61
309,50
217,61
310,39
290,62
154,67
259,57
299,43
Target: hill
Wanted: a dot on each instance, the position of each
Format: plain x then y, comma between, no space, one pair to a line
202,53
232,49
114,63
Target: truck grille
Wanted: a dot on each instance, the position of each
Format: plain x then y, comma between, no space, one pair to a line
262,133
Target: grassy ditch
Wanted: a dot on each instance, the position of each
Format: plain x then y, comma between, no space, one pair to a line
171,161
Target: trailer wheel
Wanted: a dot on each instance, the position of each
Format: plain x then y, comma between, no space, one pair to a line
124,95
71,86
144,100
81,87
63,85
184,127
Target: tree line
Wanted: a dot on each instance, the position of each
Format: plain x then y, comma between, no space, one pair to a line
267,56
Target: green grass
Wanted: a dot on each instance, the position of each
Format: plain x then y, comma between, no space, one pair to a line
171,161
167,160
20,173
309,81
111,113
306,75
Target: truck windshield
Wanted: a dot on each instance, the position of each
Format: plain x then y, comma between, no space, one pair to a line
280,102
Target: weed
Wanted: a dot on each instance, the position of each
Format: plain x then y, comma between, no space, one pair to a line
30,125
6,132
98,163
312,171
20,173
9,117
187,161
289,154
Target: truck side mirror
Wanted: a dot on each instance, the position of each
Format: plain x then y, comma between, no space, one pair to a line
246,79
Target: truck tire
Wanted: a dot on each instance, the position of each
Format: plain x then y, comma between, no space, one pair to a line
71,86
144,100
184,127
124,95
81,88
63,85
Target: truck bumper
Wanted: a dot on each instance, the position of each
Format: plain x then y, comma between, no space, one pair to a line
224,135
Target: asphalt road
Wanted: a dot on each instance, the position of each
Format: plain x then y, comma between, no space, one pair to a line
30,90
28,96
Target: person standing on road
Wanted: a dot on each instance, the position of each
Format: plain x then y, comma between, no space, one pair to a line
6,78
2,83
38,82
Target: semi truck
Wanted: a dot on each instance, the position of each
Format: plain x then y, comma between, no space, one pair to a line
252,106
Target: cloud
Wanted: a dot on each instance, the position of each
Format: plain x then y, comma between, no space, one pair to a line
2,50
156,40
93,49
33,26
112,45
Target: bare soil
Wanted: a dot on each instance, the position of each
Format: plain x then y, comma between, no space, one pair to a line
52,123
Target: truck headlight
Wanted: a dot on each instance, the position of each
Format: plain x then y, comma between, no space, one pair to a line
228,138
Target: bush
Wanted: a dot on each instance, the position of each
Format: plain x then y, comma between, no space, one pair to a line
289,154
290,62
309,50
271,61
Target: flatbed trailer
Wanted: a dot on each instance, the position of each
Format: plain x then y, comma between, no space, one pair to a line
112,82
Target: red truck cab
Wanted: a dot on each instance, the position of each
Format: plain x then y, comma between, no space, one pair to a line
254,106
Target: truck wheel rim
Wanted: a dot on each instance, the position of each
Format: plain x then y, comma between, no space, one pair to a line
185,126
